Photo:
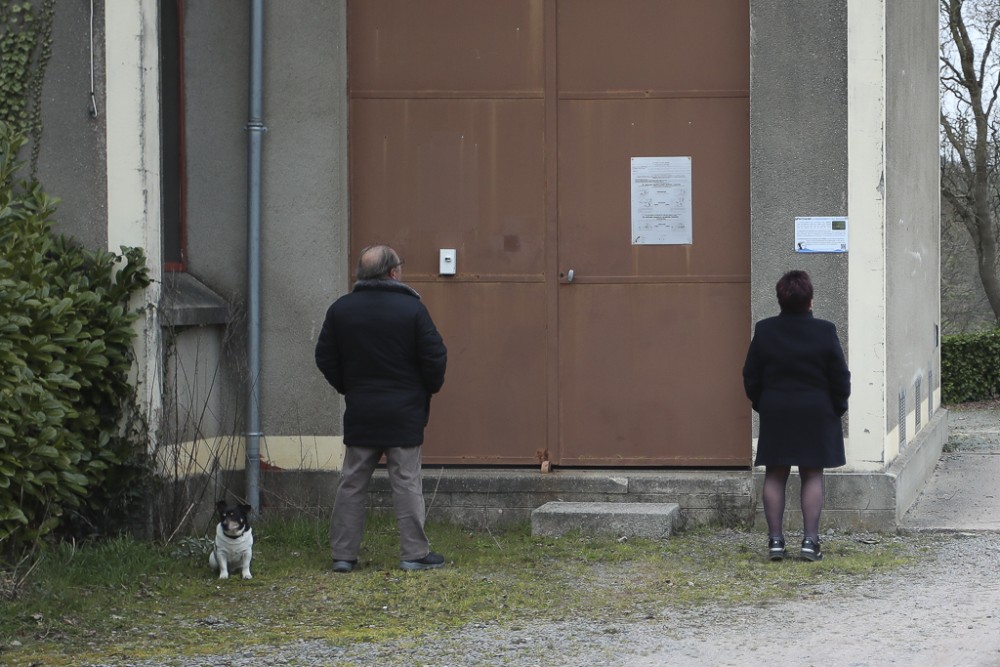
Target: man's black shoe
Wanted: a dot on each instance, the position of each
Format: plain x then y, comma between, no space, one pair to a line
429,562
344,565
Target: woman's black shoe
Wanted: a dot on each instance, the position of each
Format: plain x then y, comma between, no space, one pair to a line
810,549
776,548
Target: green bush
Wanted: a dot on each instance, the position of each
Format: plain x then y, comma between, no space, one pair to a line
970,367
70,446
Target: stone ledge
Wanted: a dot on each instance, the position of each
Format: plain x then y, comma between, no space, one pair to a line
187,302
651,520
493,497
915,465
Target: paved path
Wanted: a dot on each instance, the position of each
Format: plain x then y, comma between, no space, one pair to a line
963,494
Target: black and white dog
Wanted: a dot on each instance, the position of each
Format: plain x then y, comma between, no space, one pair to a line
233,541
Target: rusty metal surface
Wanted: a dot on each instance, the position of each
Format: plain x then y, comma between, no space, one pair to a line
492,409
652,337
504,130
445,47
650,374
654,47
597,139
464,174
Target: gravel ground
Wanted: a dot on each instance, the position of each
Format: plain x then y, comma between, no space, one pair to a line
944,609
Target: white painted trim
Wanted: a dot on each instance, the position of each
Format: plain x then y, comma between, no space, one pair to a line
290,452
866,118
133,121
132,75
303,452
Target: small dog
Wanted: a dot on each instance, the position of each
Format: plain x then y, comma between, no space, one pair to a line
233,541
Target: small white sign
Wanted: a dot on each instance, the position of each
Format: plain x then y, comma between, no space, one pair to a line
661,200
821,234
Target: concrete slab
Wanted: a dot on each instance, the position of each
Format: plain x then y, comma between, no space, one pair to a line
963,494
651,520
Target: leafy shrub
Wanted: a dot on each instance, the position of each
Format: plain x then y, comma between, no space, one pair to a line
69,444
970,367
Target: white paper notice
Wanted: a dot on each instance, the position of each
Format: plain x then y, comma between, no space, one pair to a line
661,200
821,234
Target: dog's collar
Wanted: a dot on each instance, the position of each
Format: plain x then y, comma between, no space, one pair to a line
245,531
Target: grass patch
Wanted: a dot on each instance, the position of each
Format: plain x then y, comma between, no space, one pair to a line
127,600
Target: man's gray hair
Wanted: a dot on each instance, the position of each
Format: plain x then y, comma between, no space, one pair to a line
375,262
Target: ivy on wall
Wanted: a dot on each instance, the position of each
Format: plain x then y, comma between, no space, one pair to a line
25,48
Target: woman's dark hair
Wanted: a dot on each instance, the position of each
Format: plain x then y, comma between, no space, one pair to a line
795,292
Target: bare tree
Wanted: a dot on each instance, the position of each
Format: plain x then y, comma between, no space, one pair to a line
964,307
970,123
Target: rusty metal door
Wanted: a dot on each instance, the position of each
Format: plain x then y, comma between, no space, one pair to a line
504,130
652,337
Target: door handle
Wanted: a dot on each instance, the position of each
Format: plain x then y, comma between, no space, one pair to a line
569,276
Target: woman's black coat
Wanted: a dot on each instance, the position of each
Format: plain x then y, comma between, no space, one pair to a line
380,348
797,380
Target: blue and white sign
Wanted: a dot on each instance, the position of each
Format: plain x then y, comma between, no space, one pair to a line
821,234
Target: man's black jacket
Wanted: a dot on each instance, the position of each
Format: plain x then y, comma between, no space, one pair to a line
380,348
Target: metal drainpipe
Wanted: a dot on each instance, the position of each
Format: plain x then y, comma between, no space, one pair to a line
255,133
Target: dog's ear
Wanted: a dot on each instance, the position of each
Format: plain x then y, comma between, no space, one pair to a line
247,509
221,505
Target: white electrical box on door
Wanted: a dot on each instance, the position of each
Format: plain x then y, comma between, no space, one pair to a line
448,262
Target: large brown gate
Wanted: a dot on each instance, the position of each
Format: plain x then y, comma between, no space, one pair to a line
505,130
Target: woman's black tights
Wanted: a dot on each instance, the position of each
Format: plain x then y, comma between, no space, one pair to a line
775,479
813,491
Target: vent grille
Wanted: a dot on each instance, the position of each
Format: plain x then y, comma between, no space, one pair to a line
930,391
902,418
917,407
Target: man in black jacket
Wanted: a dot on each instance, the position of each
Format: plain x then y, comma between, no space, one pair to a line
380,349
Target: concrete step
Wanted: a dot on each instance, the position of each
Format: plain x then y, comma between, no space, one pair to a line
651,520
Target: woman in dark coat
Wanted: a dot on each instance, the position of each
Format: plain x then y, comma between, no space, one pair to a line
797,380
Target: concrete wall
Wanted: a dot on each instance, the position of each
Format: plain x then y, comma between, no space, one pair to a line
81,152
72,163
912,217
305,208
198,405
893,201
832,122
844,122
216,97
866,91
304,214
798,147
216,63
304,200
